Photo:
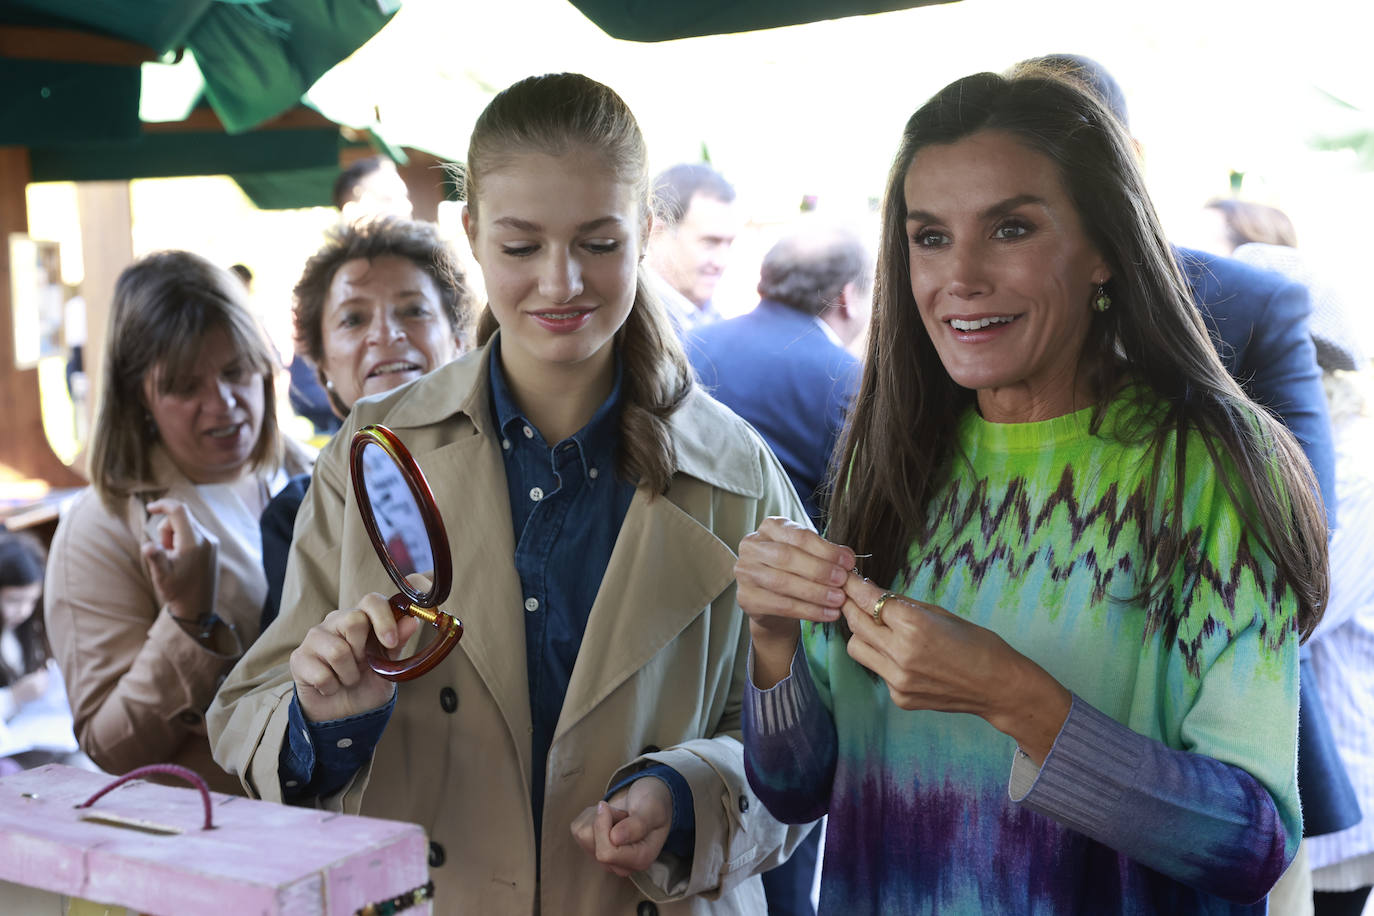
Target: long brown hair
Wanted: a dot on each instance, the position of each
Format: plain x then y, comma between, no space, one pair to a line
898,446
164,306
555,114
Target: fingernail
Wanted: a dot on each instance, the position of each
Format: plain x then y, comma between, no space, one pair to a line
834,598
838,576
830,613
389,640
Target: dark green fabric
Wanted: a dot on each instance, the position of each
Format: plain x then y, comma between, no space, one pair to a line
258,59
48,102
164,155
664,20
253,69
160,24
288,190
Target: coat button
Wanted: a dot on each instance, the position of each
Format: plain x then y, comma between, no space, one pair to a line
743,804
650,749
436,855
646,908
448,699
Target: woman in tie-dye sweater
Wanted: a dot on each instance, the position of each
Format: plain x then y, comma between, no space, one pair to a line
1071,685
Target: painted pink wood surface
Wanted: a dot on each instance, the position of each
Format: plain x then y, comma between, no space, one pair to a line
260,858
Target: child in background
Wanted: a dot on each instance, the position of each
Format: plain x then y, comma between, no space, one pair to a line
24,668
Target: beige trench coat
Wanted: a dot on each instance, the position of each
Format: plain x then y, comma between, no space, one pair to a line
138,682
662,666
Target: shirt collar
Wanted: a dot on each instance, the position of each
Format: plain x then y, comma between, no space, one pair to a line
709,442
828,331
595,442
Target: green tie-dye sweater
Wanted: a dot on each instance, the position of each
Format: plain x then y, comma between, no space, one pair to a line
1171,787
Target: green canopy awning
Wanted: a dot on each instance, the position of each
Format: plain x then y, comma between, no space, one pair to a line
289,162
258,57
665,20
73,78
198,146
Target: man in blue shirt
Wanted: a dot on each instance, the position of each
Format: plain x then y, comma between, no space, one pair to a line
784,366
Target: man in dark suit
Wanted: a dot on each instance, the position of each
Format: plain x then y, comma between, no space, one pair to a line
1258,323
784,366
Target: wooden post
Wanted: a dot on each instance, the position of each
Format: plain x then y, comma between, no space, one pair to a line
23,443
107,247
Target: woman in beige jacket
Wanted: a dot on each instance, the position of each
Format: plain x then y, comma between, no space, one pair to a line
509,787
154,581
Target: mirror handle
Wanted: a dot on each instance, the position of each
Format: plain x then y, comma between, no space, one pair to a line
406,669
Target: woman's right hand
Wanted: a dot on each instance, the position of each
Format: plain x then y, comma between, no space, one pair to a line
180,560
787,573
333,678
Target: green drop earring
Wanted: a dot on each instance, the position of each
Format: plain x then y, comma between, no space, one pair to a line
1102,301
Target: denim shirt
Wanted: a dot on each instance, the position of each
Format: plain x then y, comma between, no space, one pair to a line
566,509
567,506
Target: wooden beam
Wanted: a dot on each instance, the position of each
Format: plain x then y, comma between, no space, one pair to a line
204,119
71,45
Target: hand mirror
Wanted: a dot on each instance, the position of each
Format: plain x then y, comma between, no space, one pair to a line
403,522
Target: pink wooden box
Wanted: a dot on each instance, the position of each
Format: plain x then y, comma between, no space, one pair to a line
143,846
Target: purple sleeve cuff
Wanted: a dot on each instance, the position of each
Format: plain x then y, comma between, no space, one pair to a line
789,744
1198,820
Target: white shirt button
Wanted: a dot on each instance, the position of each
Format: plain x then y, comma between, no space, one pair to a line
592,473
536,494
505,444
344,742
531,604
529,433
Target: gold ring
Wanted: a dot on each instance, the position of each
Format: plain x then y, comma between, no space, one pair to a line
878,606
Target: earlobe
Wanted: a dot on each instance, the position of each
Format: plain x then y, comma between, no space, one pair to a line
647,231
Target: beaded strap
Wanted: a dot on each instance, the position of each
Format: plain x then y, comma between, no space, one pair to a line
400,902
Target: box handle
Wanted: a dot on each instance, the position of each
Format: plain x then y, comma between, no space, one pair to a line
165,769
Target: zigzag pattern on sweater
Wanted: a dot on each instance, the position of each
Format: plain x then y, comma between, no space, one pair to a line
980,532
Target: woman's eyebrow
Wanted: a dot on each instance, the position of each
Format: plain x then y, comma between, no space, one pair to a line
524,225
997,209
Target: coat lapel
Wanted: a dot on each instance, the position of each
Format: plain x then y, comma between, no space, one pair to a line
445,422
486,588
665,570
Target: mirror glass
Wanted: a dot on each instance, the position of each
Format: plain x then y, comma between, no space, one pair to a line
401,531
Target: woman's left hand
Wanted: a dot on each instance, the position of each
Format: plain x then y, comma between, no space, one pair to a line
626,834
931,659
